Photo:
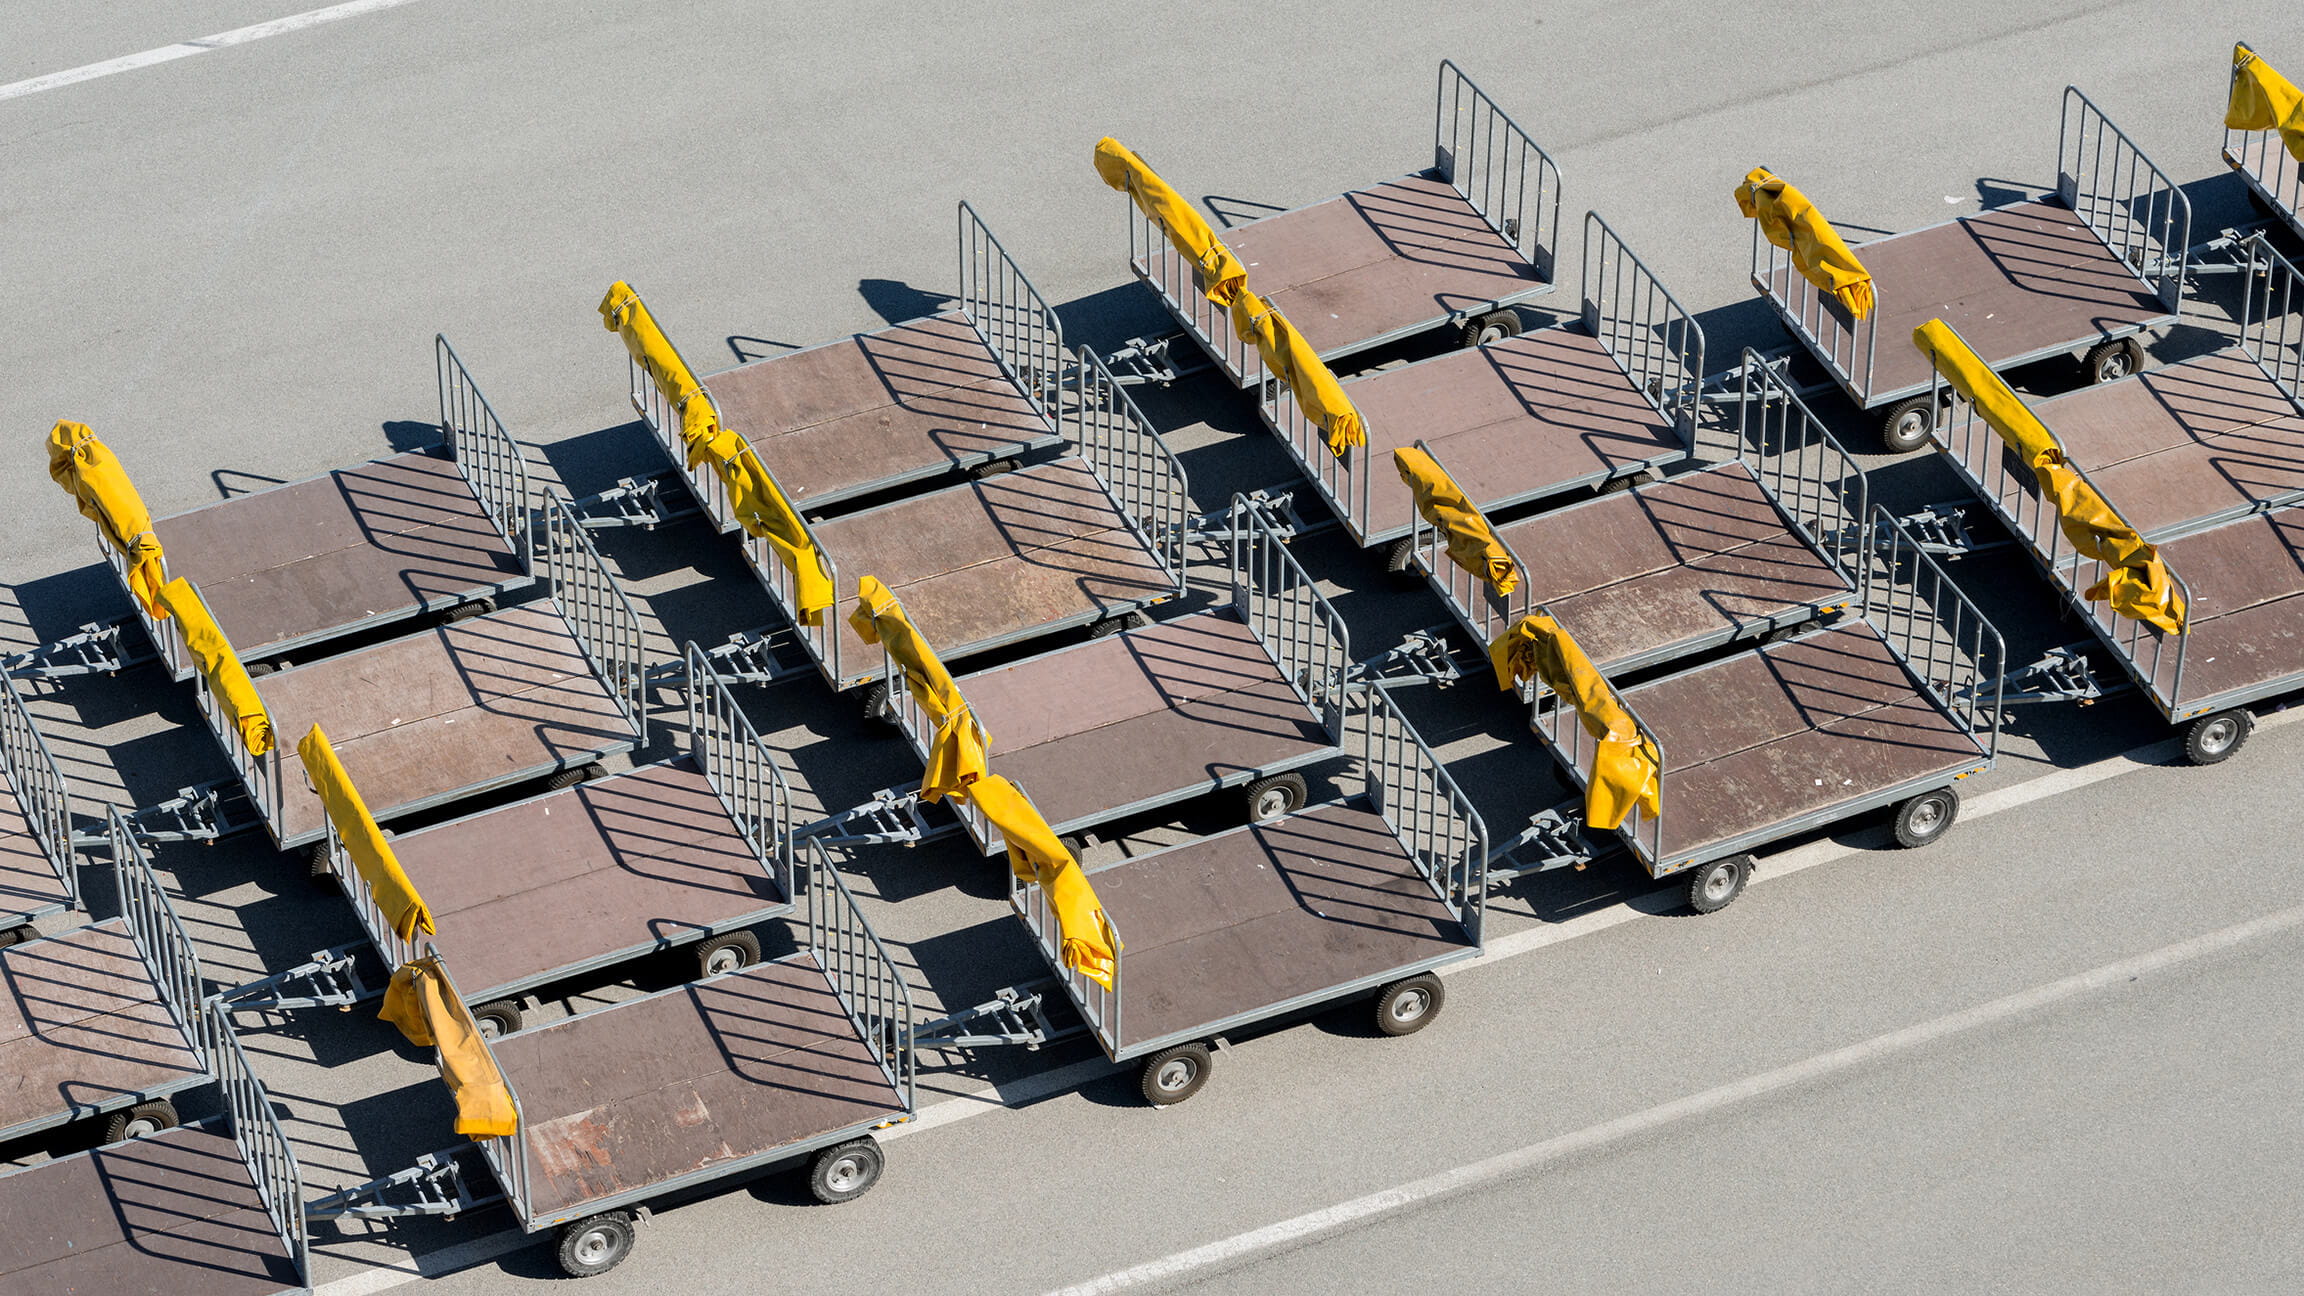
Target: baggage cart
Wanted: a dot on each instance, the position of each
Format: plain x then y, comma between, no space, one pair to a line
39,874
2275,178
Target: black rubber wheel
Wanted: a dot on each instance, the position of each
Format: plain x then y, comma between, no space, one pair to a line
498,1019
140,1120
569,778
1715,884
877,709
1924,818
596,1244
1274,795
1906,425
1408,1005
993,468
1495,326
1630,481
467,610
2214,737
727,952
1400,556
1112,625
1175,1074
845,1171
259,669
316,861
2112,361
18,935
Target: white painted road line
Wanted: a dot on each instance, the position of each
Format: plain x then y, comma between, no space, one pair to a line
186,49
1519,1161
1032,1088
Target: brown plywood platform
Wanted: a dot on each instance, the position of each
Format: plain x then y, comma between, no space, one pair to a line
1796,728
28,882
2184,443
175,1213
630,1097
1511,421
2015,281
461,707
2246,621
994,560
82,1024
1254,918
878,408
530,890
1704,554
1141,716
1377,262
363,544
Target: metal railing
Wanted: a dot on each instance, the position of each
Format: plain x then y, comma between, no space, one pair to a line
662,419
264,1146
389,946
597,613
1940,635
2123,196
1488,158
2272,318
42,796
157,931
1651,336
1813,480
506,1154
490,460
742,771
2262,158
1339,478
1561,727
261,775
1486,613
867,981
1142,475
1432,817
1279,602
1177,281
1099,1006
167,638
1008,312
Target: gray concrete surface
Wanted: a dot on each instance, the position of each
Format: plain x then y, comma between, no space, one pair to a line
231,266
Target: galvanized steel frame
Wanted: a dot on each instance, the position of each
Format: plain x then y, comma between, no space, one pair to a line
264,1146
1006,311
491,462
42,796
599,616
2260,157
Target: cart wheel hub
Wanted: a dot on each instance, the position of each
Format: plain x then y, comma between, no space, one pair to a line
1411,1005
2218,736
845,1174
1272,804
1719,882
1926,815
595,1246
1176,1074
722,960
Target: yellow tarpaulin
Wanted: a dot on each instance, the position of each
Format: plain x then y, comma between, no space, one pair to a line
228,680
1792,222
2262,99
1472,543
754,498
417,1001
1090,947
363,840
1289,357
1625,769
88,470
2138,584
1221,274
956,753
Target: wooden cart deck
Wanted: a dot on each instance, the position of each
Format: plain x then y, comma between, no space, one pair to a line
994,561
877,409
458,709
1266,916
360,546
1141,717
1796,728
82,1026
1702,556
633,1096
2018,282
2245,622
1514,420
174,1213
2183,444
1377,263
28,882
553,884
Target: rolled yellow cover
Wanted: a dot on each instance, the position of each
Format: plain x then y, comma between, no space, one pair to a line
1090,946
1626,772
1289,357
753,496
417,1001
1472,543
956,753
1221,274
88,470
1791,222
2262,99
227,679
371,855
2137,585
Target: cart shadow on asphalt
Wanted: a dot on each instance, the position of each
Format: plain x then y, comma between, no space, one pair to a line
897,302
747,349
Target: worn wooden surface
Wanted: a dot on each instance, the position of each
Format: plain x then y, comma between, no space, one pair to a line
81,1023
